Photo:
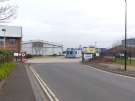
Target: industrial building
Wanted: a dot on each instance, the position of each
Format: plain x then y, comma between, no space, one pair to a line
43,48
130,42
10,38
73,53
117,50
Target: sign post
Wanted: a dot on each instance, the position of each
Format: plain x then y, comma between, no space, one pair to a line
88,54
19,56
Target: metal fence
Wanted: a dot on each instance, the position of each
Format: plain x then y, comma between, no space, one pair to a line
5,59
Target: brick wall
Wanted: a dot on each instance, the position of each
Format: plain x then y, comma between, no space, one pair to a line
14,47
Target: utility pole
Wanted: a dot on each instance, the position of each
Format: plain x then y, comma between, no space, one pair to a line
4,32
125,50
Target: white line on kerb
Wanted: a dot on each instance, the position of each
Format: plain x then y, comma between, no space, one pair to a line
110,72
46,89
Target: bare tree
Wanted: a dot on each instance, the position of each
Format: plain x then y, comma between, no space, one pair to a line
7,12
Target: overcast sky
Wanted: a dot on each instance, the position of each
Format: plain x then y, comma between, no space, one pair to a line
75,22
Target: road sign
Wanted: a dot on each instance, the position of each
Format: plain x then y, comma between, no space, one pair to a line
16,54
23,54
88,56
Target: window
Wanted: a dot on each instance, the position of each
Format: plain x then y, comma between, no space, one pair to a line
37,44
71,52
12,42
68,52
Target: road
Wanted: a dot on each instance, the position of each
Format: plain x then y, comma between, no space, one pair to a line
77,82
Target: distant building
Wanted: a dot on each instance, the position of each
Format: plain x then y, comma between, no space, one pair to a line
130,42
91,50
40,47
102,51
73,53
117,50
10,38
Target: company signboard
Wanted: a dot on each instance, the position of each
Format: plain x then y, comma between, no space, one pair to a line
10,31
89,50
88,57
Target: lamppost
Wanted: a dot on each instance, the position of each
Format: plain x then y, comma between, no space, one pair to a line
125,50
4,32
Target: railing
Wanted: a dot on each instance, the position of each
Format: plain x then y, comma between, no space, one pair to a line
5,59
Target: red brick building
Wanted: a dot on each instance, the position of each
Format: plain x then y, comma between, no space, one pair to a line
10,38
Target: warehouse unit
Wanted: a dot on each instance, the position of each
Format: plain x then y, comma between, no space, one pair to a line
130,42
10,38
73,53
40,47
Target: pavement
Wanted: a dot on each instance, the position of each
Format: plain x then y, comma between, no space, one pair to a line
77,82
17,86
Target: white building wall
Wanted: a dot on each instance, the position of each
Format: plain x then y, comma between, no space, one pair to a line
47,49
58,51
27,48
11,31
79,53
37,51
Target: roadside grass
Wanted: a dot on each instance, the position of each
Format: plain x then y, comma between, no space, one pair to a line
122,61
5,70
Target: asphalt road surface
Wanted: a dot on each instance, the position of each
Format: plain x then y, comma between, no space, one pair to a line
76,82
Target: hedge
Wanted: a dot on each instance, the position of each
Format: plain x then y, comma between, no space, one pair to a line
5,56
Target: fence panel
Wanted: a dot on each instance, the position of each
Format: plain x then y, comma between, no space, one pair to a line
5,59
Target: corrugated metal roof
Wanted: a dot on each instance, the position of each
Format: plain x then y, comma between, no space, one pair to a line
42,41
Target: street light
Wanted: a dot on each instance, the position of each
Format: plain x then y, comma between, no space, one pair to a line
4,31
125,50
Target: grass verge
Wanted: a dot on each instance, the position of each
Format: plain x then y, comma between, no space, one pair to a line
122,61
5,70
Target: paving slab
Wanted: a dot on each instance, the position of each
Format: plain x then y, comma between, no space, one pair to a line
17,87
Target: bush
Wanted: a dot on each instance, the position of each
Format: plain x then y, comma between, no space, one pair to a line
28,56
5,70
6,56
54,55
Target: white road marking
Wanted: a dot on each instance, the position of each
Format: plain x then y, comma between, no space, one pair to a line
110,72
46,89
